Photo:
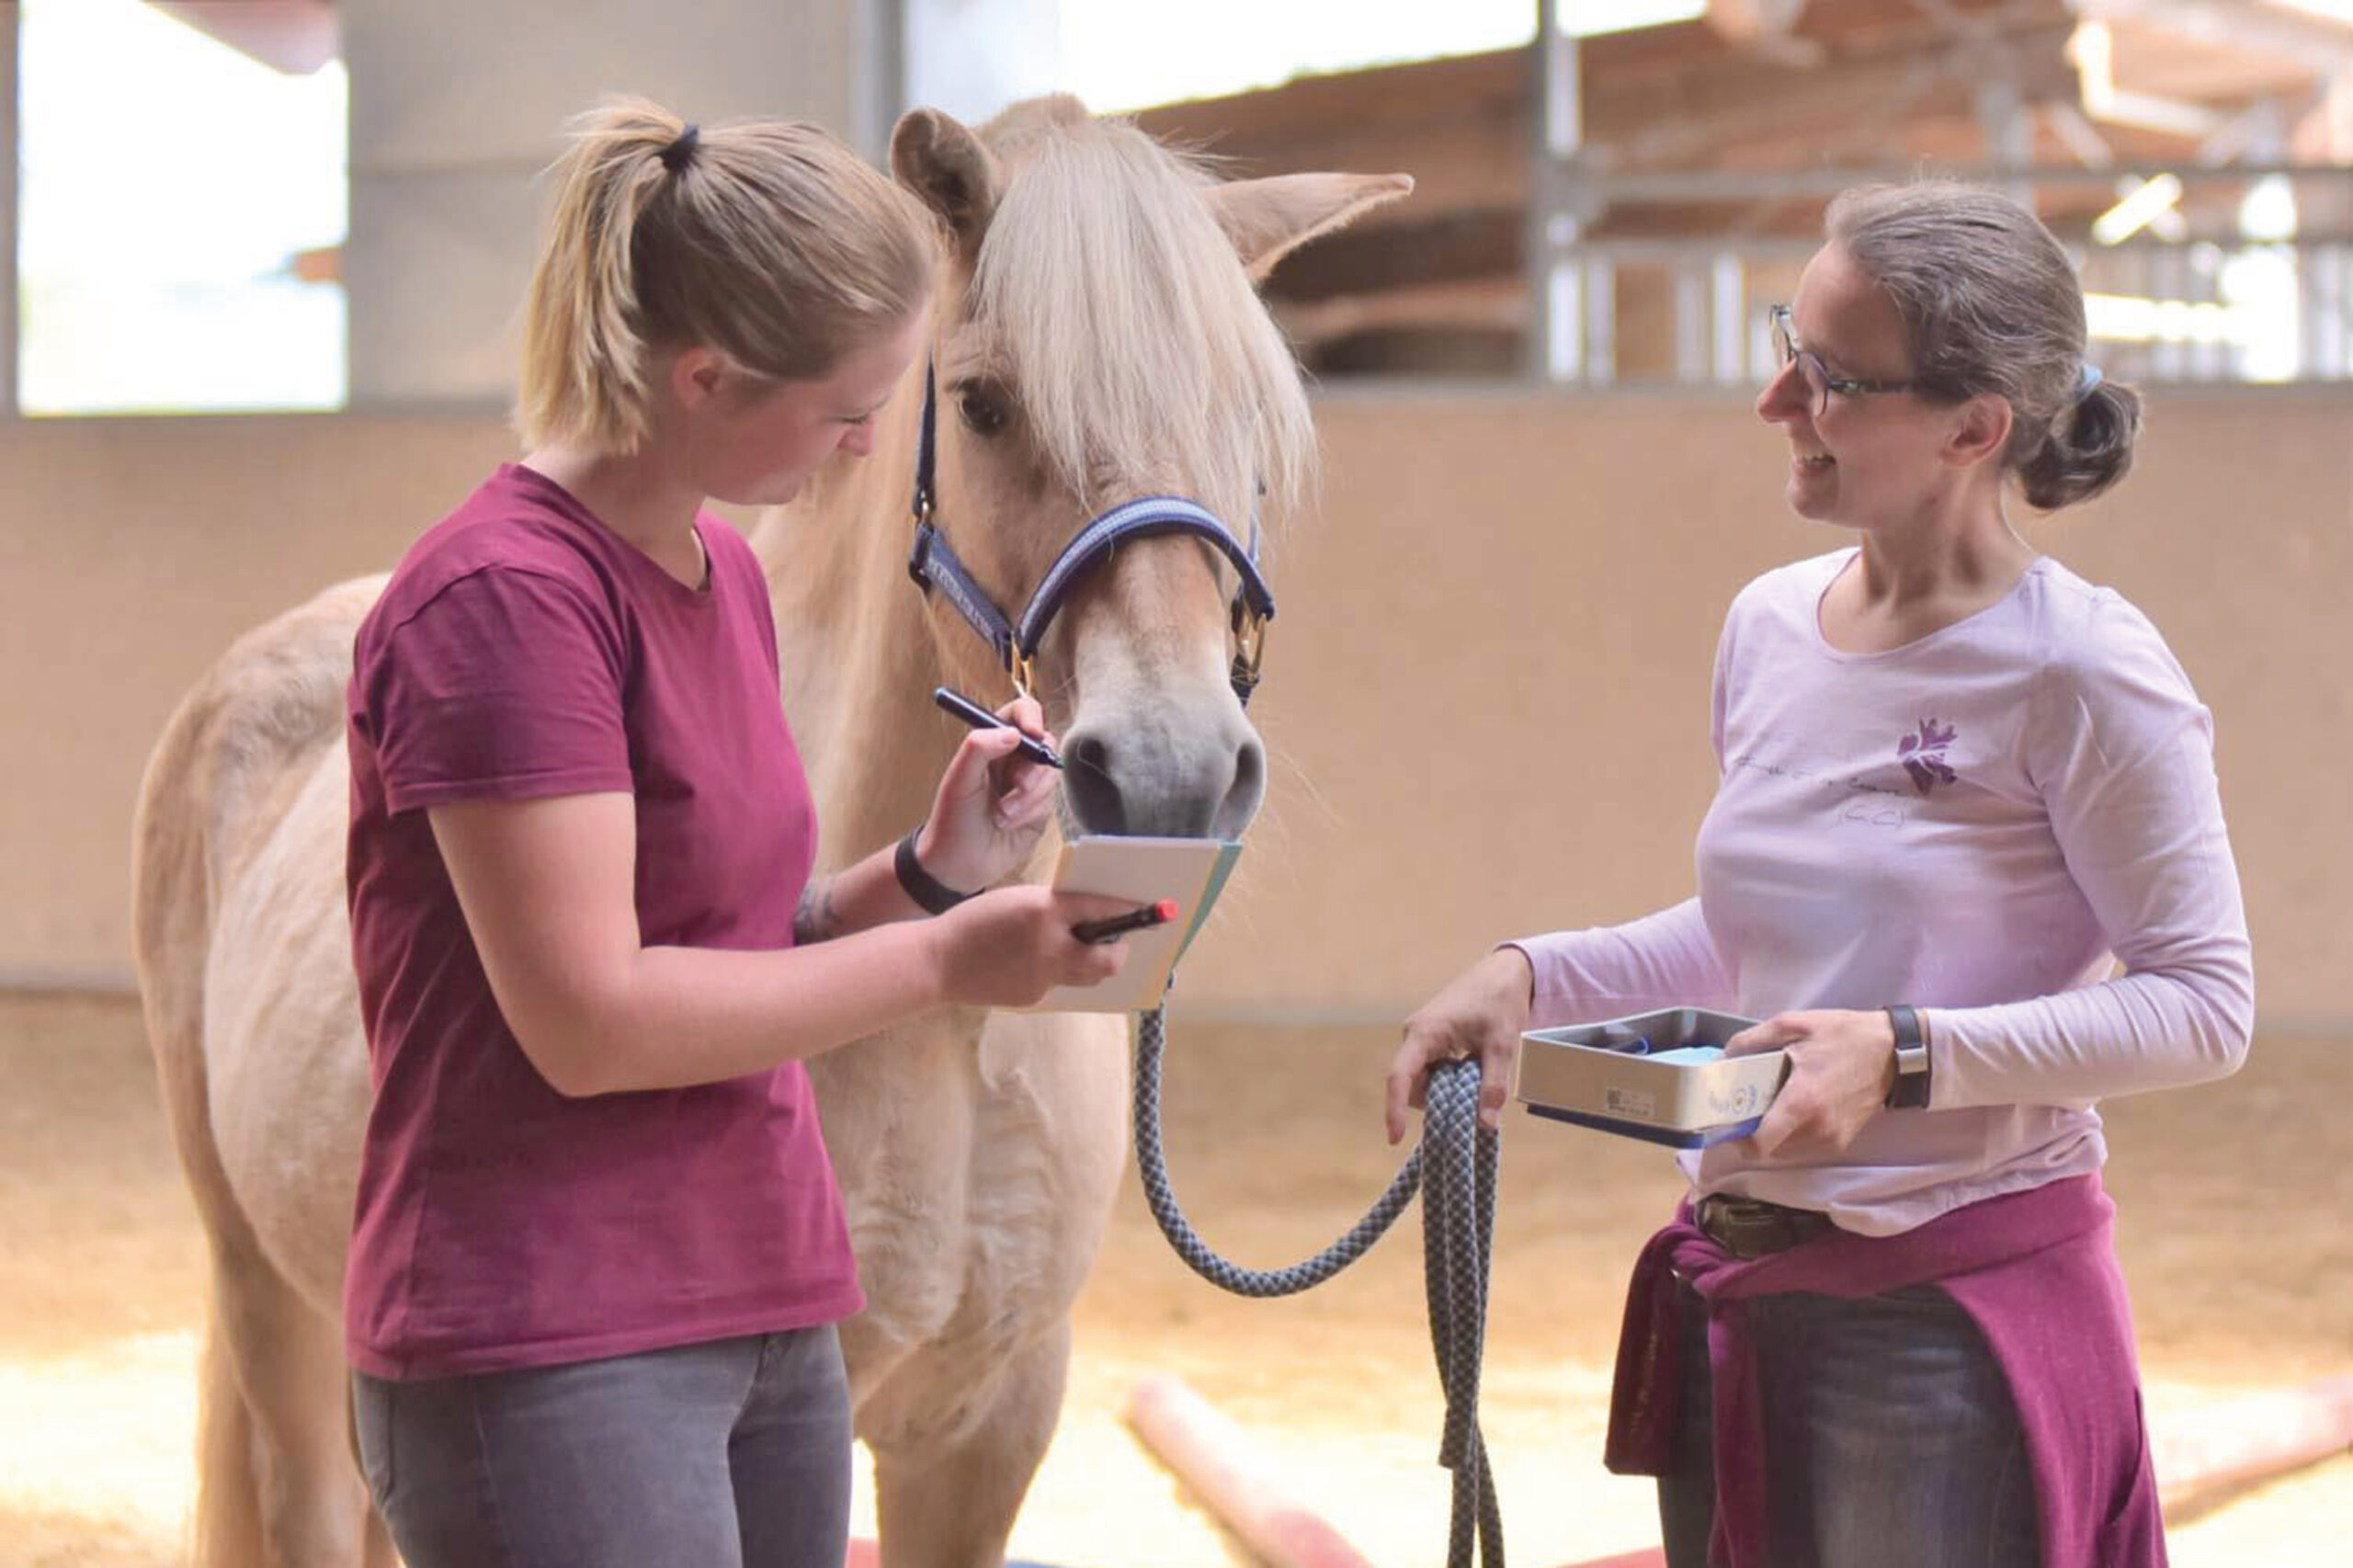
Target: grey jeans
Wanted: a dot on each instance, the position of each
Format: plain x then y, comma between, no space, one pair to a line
1890,1437
731,1454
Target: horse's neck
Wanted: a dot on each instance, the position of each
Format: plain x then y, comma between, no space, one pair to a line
859,661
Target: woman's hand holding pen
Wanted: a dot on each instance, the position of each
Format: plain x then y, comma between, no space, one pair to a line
992,805
1009,947
1480,1014
1840,1064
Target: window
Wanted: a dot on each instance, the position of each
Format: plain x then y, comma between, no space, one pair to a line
179,206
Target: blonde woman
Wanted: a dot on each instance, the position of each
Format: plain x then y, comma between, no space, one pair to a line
598,1250
1888,1330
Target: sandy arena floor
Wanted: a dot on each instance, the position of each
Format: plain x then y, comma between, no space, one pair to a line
2235,1235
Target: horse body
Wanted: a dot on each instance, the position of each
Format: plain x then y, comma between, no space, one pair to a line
978,1152
236,890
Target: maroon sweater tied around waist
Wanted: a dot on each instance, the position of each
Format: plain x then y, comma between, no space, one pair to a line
2036,1269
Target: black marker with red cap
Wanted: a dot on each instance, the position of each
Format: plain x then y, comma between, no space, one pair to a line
1119,926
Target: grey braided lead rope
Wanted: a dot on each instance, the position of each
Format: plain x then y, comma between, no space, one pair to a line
1458,1157
1458,1232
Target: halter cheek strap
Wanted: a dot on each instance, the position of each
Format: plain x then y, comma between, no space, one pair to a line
933,564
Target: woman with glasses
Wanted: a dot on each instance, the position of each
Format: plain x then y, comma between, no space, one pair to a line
1888,1328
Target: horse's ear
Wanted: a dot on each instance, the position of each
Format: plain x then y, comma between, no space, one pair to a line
937,156
1267,218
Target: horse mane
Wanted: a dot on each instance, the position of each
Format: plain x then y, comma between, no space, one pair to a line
1139,347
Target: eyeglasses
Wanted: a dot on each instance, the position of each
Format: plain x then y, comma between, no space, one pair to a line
1819,381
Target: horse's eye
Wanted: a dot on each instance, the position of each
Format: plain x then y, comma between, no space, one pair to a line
983,411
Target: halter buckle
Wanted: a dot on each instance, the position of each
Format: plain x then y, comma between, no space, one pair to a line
1249,642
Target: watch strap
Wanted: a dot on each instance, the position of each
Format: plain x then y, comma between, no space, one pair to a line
1910,1089
933,895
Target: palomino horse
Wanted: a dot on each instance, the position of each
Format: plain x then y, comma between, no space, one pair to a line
1097,337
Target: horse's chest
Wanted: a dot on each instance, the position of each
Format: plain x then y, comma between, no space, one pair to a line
977,1184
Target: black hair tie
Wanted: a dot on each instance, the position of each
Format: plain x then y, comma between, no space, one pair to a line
679,153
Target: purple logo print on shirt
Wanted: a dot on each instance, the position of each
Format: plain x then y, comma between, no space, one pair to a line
1923,752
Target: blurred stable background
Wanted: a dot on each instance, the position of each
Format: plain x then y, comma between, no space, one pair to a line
261,264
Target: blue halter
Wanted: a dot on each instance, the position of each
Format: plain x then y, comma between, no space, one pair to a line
933,564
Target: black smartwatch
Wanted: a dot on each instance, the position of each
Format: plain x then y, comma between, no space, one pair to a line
1910,1090
935,896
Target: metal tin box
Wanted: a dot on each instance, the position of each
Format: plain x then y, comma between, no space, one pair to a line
1659,1077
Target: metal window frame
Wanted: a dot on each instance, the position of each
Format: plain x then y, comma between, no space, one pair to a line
879,42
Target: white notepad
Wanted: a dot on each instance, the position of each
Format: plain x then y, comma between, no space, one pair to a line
1142,870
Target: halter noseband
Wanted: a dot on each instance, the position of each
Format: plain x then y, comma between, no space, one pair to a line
933,564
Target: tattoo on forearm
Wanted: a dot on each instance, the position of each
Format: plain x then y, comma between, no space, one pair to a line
815,919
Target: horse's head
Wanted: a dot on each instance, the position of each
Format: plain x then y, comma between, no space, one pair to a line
1099,339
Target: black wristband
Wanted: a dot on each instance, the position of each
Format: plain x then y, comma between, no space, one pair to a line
1910,1089
936,896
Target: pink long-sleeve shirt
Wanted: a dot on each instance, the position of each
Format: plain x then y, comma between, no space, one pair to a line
1975,824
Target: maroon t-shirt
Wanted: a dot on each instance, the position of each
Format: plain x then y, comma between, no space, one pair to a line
523,650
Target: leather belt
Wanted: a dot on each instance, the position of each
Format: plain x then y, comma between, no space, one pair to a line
1750,1227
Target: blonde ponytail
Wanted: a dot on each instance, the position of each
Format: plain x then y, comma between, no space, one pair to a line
766,240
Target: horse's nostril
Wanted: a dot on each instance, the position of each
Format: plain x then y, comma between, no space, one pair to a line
1249,771
1242,798
1087,785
